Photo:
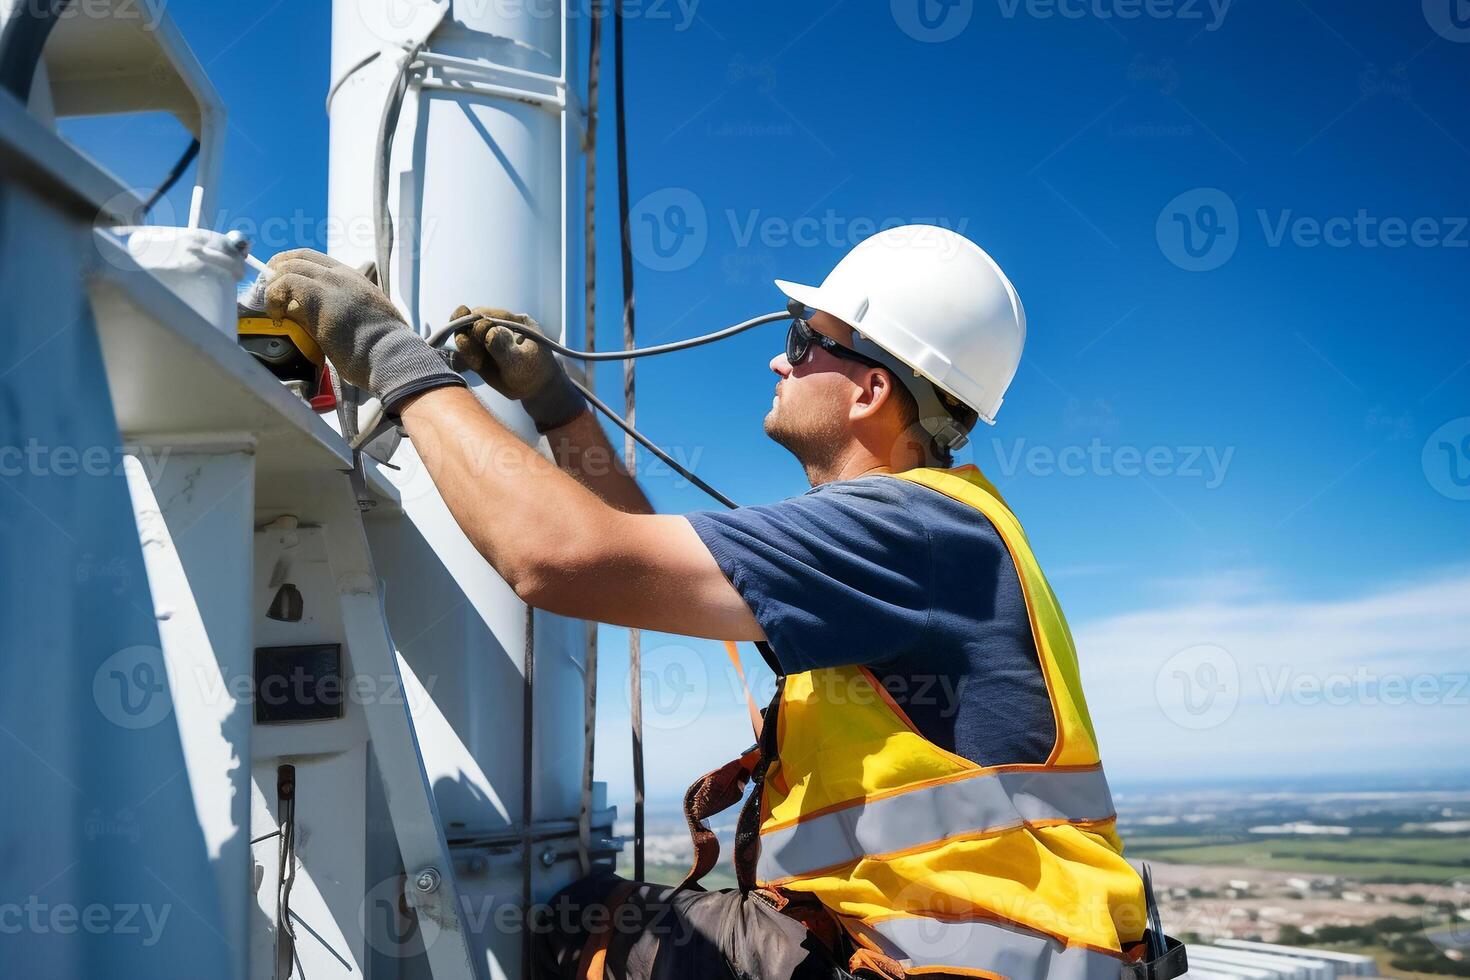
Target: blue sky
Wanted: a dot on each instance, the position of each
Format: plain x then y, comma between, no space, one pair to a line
1296,370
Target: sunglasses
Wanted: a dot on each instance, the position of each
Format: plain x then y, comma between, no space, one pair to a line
801,337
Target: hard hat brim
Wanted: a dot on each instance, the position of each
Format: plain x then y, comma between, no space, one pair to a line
808,296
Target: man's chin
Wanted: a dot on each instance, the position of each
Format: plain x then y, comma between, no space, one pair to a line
775,427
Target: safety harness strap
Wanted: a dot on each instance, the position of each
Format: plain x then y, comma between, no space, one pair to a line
755,713
748,827
713,793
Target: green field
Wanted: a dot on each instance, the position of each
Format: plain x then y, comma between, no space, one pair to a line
1367,858
1389,858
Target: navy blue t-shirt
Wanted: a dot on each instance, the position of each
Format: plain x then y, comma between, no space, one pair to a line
912,584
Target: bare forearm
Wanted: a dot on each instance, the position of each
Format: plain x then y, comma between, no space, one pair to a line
556,543
512,503
581,449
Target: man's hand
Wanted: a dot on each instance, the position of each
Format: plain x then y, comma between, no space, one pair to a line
515,365
357,327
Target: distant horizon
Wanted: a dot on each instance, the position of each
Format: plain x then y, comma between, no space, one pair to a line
1426,780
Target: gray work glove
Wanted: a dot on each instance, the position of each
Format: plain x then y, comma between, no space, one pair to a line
356,326
519,368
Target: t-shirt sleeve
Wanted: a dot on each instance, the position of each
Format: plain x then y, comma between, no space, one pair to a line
839,576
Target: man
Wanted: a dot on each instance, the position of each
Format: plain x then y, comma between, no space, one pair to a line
929,795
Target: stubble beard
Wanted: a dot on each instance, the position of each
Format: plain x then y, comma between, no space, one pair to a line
815,440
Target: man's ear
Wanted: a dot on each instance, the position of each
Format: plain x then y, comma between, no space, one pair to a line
875,388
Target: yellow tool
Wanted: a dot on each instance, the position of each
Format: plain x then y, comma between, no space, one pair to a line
288,352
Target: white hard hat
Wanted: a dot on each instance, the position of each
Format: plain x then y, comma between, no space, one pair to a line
933,299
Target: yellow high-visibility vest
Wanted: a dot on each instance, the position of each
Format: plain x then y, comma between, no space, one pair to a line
931,860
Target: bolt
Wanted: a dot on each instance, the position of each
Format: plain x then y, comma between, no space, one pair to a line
548,858
427,881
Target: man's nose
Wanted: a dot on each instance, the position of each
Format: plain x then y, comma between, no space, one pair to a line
780,365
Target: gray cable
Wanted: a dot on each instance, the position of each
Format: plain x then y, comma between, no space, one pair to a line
438,337
387,130
362,63
648,444
376,422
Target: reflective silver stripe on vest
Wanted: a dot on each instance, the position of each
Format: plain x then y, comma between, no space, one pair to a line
991,802
991,947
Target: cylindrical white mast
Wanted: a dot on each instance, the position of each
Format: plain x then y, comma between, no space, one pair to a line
481,195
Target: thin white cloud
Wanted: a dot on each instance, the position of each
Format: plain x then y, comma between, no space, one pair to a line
1249,684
